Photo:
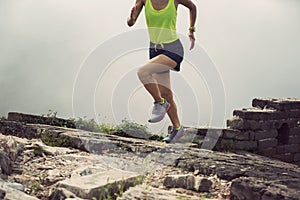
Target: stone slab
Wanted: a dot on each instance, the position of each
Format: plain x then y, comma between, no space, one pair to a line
260,135
294,139
267,143
295,131
13,194
151,193
101,185
287,157
277,103
36,119
268,151
249,188
260,114
297,157
186,181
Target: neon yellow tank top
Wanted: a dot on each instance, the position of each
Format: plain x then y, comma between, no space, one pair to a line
161,23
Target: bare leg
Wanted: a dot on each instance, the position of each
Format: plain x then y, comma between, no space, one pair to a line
158,84
164,85
145,73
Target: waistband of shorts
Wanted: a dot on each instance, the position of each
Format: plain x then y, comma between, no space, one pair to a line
162,45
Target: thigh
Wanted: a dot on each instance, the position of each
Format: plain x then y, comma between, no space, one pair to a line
158,64
164,60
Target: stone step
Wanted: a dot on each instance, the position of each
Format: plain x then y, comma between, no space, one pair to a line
13,194
36,119
248,124
78,139
102,185
266,114
281,104
148,192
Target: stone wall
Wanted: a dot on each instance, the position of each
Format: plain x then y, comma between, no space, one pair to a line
35,119
270,128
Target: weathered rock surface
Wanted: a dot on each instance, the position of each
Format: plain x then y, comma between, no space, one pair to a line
9,150
148,192
9,193
204,185
82,164
180,181
253,188
35,119
62,193
236,166
101,185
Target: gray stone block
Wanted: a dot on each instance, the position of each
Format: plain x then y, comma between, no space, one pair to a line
260,114
186,181
295,131
280,149
230,133
297,157
283,104
146,192
292,148
268,151
246,145
204,185
35,119
260,135
226,144
294,139
267,143
287,157
292,123
255,125
242,136
288,148
295,114
240,189
61,193
102,184
13,194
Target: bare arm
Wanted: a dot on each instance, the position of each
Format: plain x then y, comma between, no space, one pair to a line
135,12
193,15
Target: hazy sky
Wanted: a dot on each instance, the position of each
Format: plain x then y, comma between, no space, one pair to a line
255,45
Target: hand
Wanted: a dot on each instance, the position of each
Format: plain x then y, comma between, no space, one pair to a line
192,39
132,13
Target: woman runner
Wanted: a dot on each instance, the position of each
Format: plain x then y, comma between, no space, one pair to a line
166,53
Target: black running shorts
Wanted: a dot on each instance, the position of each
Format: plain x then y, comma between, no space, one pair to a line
173,50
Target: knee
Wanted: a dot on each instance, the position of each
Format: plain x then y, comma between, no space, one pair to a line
143,73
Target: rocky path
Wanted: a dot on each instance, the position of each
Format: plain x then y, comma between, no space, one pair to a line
85,165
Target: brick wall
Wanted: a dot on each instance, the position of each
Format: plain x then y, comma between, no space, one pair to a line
270,128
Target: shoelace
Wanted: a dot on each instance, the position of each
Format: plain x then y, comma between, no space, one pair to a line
173,133
157,108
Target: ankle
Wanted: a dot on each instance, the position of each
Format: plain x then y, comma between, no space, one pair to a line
160,100
177,127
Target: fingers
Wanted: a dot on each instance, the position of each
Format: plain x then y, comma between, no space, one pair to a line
192,39
133,10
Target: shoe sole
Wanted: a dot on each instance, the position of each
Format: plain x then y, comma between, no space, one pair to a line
161,118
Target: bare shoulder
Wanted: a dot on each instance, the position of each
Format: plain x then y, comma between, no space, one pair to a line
141,2
187,3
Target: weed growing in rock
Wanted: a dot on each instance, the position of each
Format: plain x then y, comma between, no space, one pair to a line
87,124
133,129
125,129
3,118
39,151
50,114
55,140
